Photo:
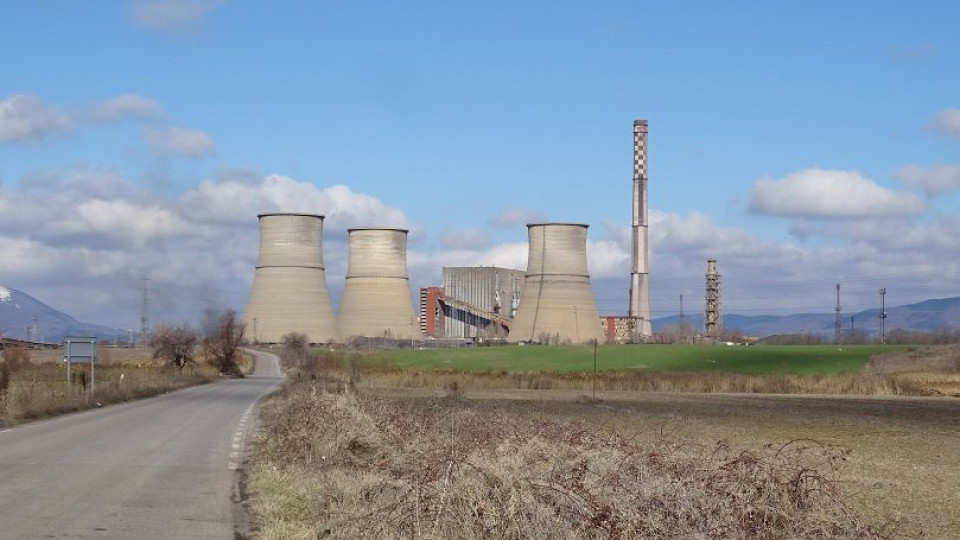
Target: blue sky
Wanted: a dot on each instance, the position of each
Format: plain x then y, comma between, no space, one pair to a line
800,143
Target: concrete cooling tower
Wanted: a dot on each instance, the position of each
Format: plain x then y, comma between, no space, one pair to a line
556,303
376,298
289,292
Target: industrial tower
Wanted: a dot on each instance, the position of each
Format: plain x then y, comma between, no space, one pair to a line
712,319
640,272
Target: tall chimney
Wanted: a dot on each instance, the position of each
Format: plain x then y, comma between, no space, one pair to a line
640,271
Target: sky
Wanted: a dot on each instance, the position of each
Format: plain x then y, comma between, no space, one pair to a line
801,144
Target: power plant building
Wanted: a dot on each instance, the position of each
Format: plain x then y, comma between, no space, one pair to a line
289,292
376,297
479,302
557,303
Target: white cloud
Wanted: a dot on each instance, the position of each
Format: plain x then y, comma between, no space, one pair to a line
830,194
124,106
25,118
515,217
82,239
92,230
935,180
179,142
232,201
470,238
171,14
946,122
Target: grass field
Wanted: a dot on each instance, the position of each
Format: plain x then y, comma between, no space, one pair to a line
757,359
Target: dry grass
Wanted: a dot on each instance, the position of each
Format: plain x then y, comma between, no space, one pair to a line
39,388
346,465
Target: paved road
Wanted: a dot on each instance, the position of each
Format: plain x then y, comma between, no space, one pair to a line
156,468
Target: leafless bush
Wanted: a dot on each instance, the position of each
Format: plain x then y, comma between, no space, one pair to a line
5,376
222,343
174,344
348,466
16,358
294,349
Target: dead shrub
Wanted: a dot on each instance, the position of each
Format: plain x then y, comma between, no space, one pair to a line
16,358
350,466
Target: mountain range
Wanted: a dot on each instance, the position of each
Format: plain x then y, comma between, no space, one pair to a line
927,316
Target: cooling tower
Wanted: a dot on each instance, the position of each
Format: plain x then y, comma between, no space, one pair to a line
376,298
289,292
556,302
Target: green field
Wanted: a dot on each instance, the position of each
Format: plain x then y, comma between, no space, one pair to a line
797,359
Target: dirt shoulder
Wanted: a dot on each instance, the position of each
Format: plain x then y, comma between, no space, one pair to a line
902,469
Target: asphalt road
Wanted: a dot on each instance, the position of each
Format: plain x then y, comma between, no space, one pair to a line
163,467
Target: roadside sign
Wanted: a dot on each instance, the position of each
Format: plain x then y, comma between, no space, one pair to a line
80,350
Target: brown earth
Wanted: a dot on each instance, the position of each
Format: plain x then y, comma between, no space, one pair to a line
902,473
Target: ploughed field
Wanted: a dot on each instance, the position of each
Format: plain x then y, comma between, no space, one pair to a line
754,359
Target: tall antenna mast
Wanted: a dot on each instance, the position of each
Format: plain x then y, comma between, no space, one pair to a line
838,324
145,310
883,315
640,272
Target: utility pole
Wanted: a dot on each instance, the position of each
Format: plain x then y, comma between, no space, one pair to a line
883,316
145,310
838,325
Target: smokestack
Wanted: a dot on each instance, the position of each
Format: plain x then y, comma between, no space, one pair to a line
640,271
289,292
556,302
376,298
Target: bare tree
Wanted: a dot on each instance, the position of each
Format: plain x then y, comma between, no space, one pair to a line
174,344
223,341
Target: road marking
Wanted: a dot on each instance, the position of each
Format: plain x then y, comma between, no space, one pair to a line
236,454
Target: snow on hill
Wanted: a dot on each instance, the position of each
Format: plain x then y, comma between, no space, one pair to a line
24,317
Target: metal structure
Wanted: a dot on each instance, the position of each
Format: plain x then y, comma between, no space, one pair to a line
376,297
640,271
883,315
711,319
556,303
838,323
479,302
289,292
145,310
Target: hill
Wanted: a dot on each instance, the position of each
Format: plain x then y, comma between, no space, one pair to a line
928,316
24,317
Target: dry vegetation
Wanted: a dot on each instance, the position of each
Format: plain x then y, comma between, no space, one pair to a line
927,371
352,450
33,382
348,465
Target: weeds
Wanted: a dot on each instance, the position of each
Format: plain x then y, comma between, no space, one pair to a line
38,389
349,466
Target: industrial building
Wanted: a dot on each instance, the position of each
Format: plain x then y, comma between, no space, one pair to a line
551,302
475,303
556,303
289,292
376,297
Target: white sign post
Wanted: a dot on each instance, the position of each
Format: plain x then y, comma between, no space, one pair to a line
81,350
